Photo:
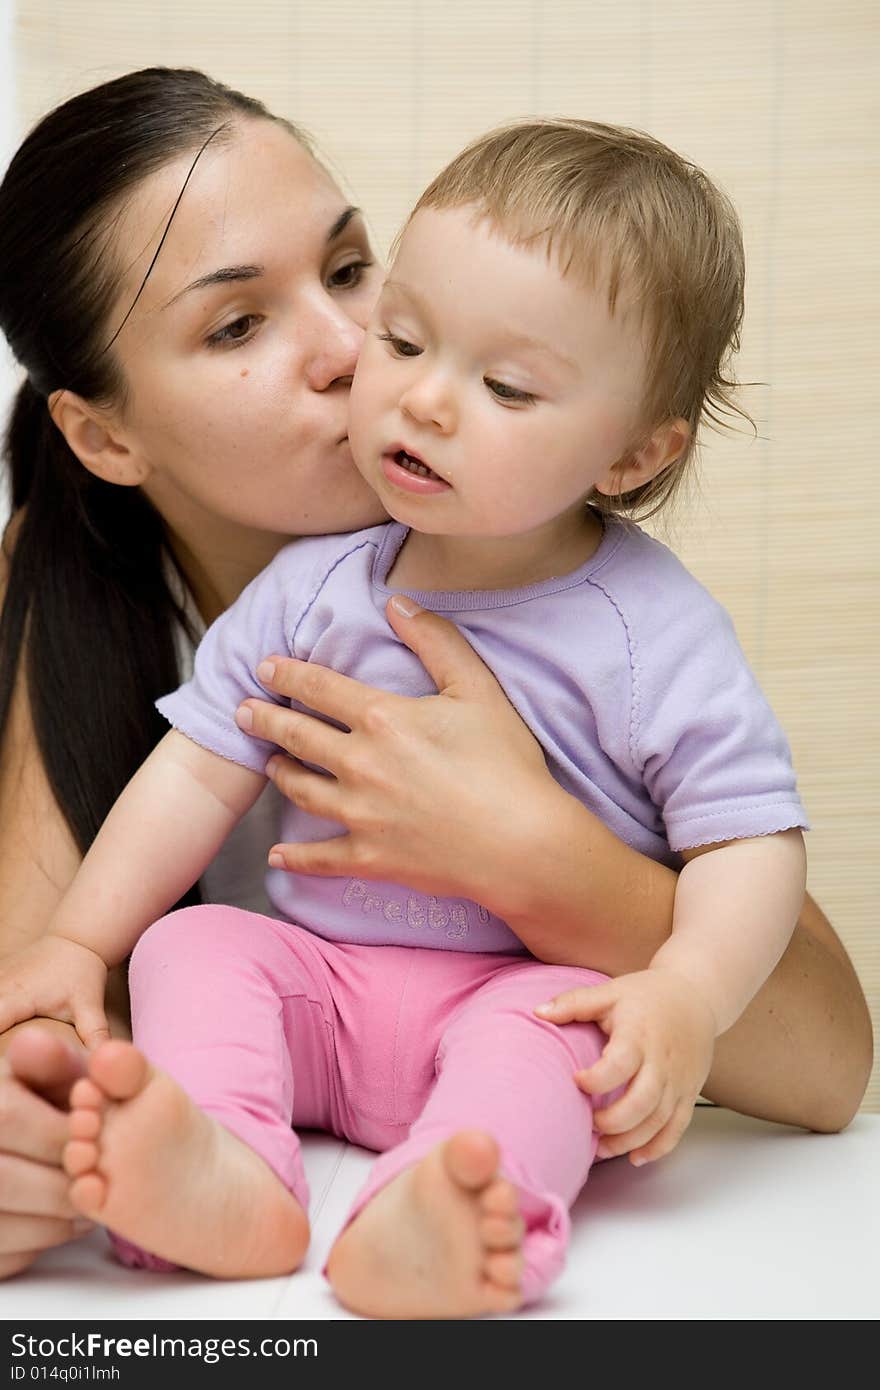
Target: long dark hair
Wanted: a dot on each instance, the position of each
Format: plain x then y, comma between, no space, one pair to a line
88,608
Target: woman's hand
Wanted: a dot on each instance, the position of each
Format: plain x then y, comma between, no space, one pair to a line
36,1075
446,793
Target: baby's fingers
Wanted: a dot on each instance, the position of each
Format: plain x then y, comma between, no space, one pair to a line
619,1062
90,1022
578,1005
645,1096
16,1004
636,1137
665,1140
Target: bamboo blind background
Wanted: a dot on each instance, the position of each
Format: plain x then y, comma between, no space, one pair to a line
778,100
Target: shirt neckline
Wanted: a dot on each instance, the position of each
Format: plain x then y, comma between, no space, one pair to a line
461,600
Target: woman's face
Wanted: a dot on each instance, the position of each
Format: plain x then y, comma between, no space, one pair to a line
238,355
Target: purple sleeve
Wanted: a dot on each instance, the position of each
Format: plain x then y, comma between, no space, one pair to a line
714,758
256,625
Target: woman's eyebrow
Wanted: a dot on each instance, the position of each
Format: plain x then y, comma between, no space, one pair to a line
218,277
252,272
342,222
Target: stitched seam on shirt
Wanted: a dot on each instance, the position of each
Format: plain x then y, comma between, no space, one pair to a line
635,672
734,810
221,728
320,585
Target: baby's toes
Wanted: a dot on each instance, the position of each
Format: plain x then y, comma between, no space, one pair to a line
84,1124
88,1194
85,1095
502,1232
504,1269
500,1198
80,1156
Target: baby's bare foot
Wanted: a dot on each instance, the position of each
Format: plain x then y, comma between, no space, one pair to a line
149,1165
442,1240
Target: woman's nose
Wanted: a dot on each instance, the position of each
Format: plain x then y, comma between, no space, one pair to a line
336,342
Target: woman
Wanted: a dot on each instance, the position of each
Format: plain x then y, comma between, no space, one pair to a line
187,290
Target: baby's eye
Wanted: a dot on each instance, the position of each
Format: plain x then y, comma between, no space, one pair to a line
349,276
237,331
503,392
399,345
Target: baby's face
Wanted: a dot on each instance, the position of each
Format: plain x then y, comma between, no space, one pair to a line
492,394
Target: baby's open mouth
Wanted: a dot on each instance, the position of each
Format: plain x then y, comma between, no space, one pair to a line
415,465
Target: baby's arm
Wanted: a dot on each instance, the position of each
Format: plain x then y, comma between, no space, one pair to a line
735,910
161,834
736,906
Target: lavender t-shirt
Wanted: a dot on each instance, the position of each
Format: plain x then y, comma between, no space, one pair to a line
627,671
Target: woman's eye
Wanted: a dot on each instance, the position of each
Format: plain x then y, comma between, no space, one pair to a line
349,276
503,392
238,331
400,346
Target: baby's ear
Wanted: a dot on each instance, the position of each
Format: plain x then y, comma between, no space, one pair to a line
665,446
100,443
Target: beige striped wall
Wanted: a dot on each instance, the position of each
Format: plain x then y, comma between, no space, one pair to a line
777,98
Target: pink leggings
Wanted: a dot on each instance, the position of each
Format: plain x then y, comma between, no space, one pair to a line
395,1048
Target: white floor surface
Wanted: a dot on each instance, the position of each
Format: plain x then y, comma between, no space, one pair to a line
746,1220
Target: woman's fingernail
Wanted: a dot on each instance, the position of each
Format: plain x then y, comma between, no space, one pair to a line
276,861
544,1009
266,671
407,606
244,717
602,1150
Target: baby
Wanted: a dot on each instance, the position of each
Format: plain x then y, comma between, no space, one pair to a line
558,316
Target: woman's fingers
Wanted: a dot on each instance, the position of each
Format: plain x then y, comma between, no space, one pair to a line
303,737
317,687
46,1058
31,1234
30,1127
323,858
447,655
33,1189
313,792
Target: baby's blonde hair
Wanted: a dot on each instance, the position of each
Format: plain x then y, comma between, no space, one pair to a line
616,207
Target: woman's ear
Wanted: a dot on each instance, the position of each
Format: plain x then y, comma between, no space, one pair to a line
665,446
97,440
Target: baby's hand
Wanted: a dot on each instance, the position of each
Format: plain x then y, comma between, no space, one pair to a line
55,978
661,1036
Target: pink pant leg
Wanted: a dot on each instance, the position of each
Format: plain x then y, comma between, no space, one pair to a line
212,989
504,1071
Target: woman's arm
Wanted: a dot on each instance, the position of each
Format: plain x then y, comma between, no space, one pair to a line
38,856
802,1052
38,860
451,794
